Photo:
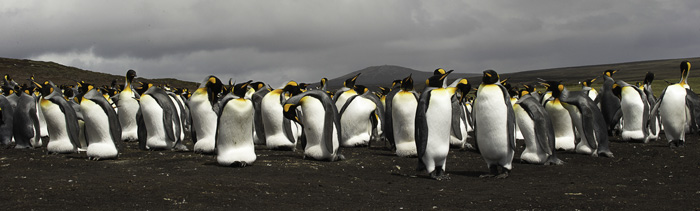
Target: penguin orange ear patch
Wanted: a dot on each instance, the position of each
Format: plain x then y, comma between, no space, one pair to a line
560,87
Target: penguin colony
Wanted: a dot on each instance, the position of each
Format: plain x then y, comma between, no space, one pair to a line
228,121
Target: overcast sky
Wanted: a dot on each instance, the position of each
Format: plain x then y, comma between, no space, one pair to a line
275,41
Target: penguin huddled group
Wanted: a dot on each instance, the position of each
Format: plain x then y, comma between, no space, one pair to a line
231,121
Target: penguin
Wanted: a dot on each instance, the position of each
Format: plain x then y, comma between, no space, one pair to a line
587,119
433,124
7,124
61,120
102,129
359,117
201,104
347,91
402,103
320,123
672,108
586,86
609,104
494,125
654,123
159,125
26,128
184,114
635,112
234,134
565,138
513,92
128,106
256,98
538,131
460,115
278,131
388,127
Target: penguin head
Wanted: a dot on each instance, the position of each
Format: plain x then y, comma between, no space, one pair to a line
290,112
396,84
48,89
530,88
463,87
143,88
617,90
130,75
350,82
437,80
555,87
439,71
523,92
609,73
257,85
214,87
490,77
588,82
303,86
407,83
323,84
361,89
685,70
292,88
649,78
240,89
383,91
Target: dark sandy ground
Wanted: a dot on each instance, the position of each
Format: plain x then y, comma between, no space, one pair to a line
641,176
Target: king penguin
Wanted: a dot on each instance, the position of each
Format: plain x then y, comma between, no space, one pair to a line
565,138
61,120
586,87
26,128
537,129
128,106
494,125
202,111
635,113
102,129
672,107
159,125
460,115
359,117
234,136
402,106
388,113
347,91
609,104
256,98
278,131
654,123
433,121
320,123
6,126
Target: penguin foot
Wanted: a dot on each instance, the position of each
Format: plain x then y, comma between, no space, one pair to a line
240,164
504,174
493,171
554,161
487,176
606,154
94,158
468,146
339,157
675,144
439,174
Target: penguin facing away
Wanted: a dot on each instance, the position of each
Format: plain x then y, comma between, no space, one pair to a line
320,123
537,129
433,119
494,125
102,129
202,111
234,136
401,111
388,111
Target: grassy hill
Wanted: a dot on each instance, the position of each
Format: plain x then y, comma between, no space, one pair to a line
21,69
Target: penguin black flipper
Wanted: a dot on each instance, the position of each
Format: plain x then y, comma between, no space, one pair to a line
421,133
347,103
183,112
170,115
511,117
331,114
115,128
456,117
692,101
388,118
645,115
142,131
257,121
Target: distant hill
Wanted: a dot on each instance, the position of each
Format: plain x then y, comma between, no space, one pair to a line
376,76
21,69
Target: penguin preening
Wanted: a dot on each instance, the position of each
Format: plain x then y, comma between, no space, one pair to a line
432,132
279,132
494,125
537,129
320,123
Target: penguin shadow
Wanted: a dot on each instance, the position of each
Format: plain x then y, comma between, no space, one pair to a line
475,174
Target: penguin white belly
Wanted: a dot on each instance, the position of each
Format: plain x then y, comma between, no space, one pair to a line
203,122
179,114
43,130
518,134
563,128
273,118
438,117
632,107
235,138
673,113
532,153
582,147
128,107
355,123
491,114
100,143
592,94
56,125
313,121
403,114
454,141
153,119
343,98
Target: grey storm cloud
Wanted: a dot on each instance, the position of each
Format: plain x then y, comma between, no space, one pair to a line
276,41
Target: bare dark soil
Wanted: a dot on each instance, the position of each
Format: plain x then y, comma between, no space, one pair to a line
641,176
